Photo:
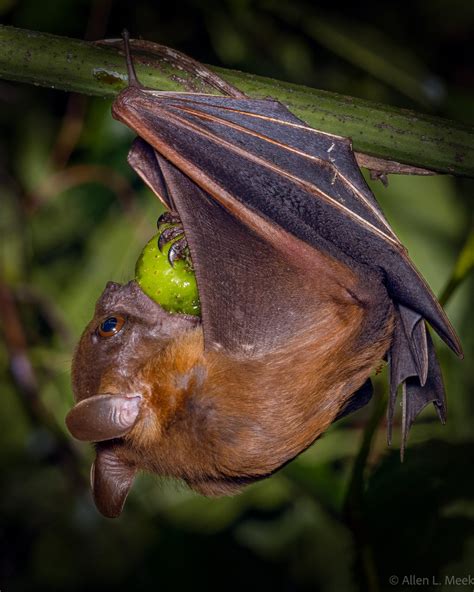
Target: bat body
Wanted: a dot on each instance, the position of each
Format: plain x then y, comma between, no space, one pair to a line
304,288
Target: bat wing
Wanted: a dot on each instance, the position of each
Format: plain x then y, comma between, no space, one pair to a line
257,303
256,165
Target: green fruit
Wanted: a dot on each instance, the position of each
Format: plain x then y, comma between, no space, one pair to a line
172,287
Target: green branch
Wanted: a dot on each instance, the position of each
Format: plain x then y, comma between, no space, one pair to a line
462,268
379,130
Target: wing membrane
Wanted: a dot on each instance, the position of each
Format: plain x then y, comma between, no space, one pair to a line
303,194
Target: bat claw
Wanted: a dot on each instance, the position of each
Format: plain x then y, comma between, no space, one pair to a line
168,218
178,250
168,235
173,232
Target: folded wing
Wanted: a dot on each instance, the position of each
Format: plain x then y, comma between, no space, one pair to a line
254,156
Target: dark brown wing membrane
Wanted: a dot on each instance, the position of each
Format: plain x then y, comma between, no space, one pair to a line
291,181
404,369
255,156
142,159
234,317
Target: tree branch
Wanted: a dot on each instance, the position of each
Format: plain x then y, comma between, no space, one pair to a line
378,130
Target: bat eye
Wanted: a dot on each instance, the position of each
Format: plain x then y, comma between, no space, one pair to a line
111,326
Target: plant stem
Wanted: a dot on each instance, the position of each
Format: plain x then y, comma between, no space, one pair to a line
462,268
379,130
354,503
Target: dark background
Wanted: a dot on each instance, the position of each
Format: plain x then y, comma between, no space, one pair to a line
73,215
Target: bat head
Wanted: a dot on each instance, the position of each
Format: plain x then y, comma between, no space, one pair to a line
127,329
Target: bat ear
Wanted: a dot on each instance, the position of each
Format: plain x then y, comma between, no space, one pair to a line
103,417
111,480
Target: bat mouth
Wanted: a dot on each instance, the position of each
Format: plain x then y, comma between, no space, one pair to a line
115,294
131,296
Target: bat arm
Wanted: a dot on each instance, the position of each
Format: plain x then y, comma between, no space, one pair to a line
142,159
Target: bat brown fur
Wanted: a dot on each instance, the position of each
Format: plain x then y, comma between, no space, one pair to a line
219,422
304,288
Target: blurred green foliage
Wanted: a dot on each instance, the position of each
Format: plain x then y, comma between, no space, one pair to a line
73,216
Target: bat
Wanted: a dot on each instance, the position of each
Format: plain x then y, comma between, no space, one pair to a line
304,289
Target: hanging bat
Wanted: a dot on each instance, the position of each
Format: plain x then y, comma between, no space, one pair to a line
304,289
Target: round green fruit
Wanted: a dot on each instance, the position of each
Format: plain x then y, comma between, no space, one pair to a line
172,287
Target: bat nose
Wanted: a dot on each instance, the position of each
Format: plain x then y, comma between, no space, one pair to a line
112,286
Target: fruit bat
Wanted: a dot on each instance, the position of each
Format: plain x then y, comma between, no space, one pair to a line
304,289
